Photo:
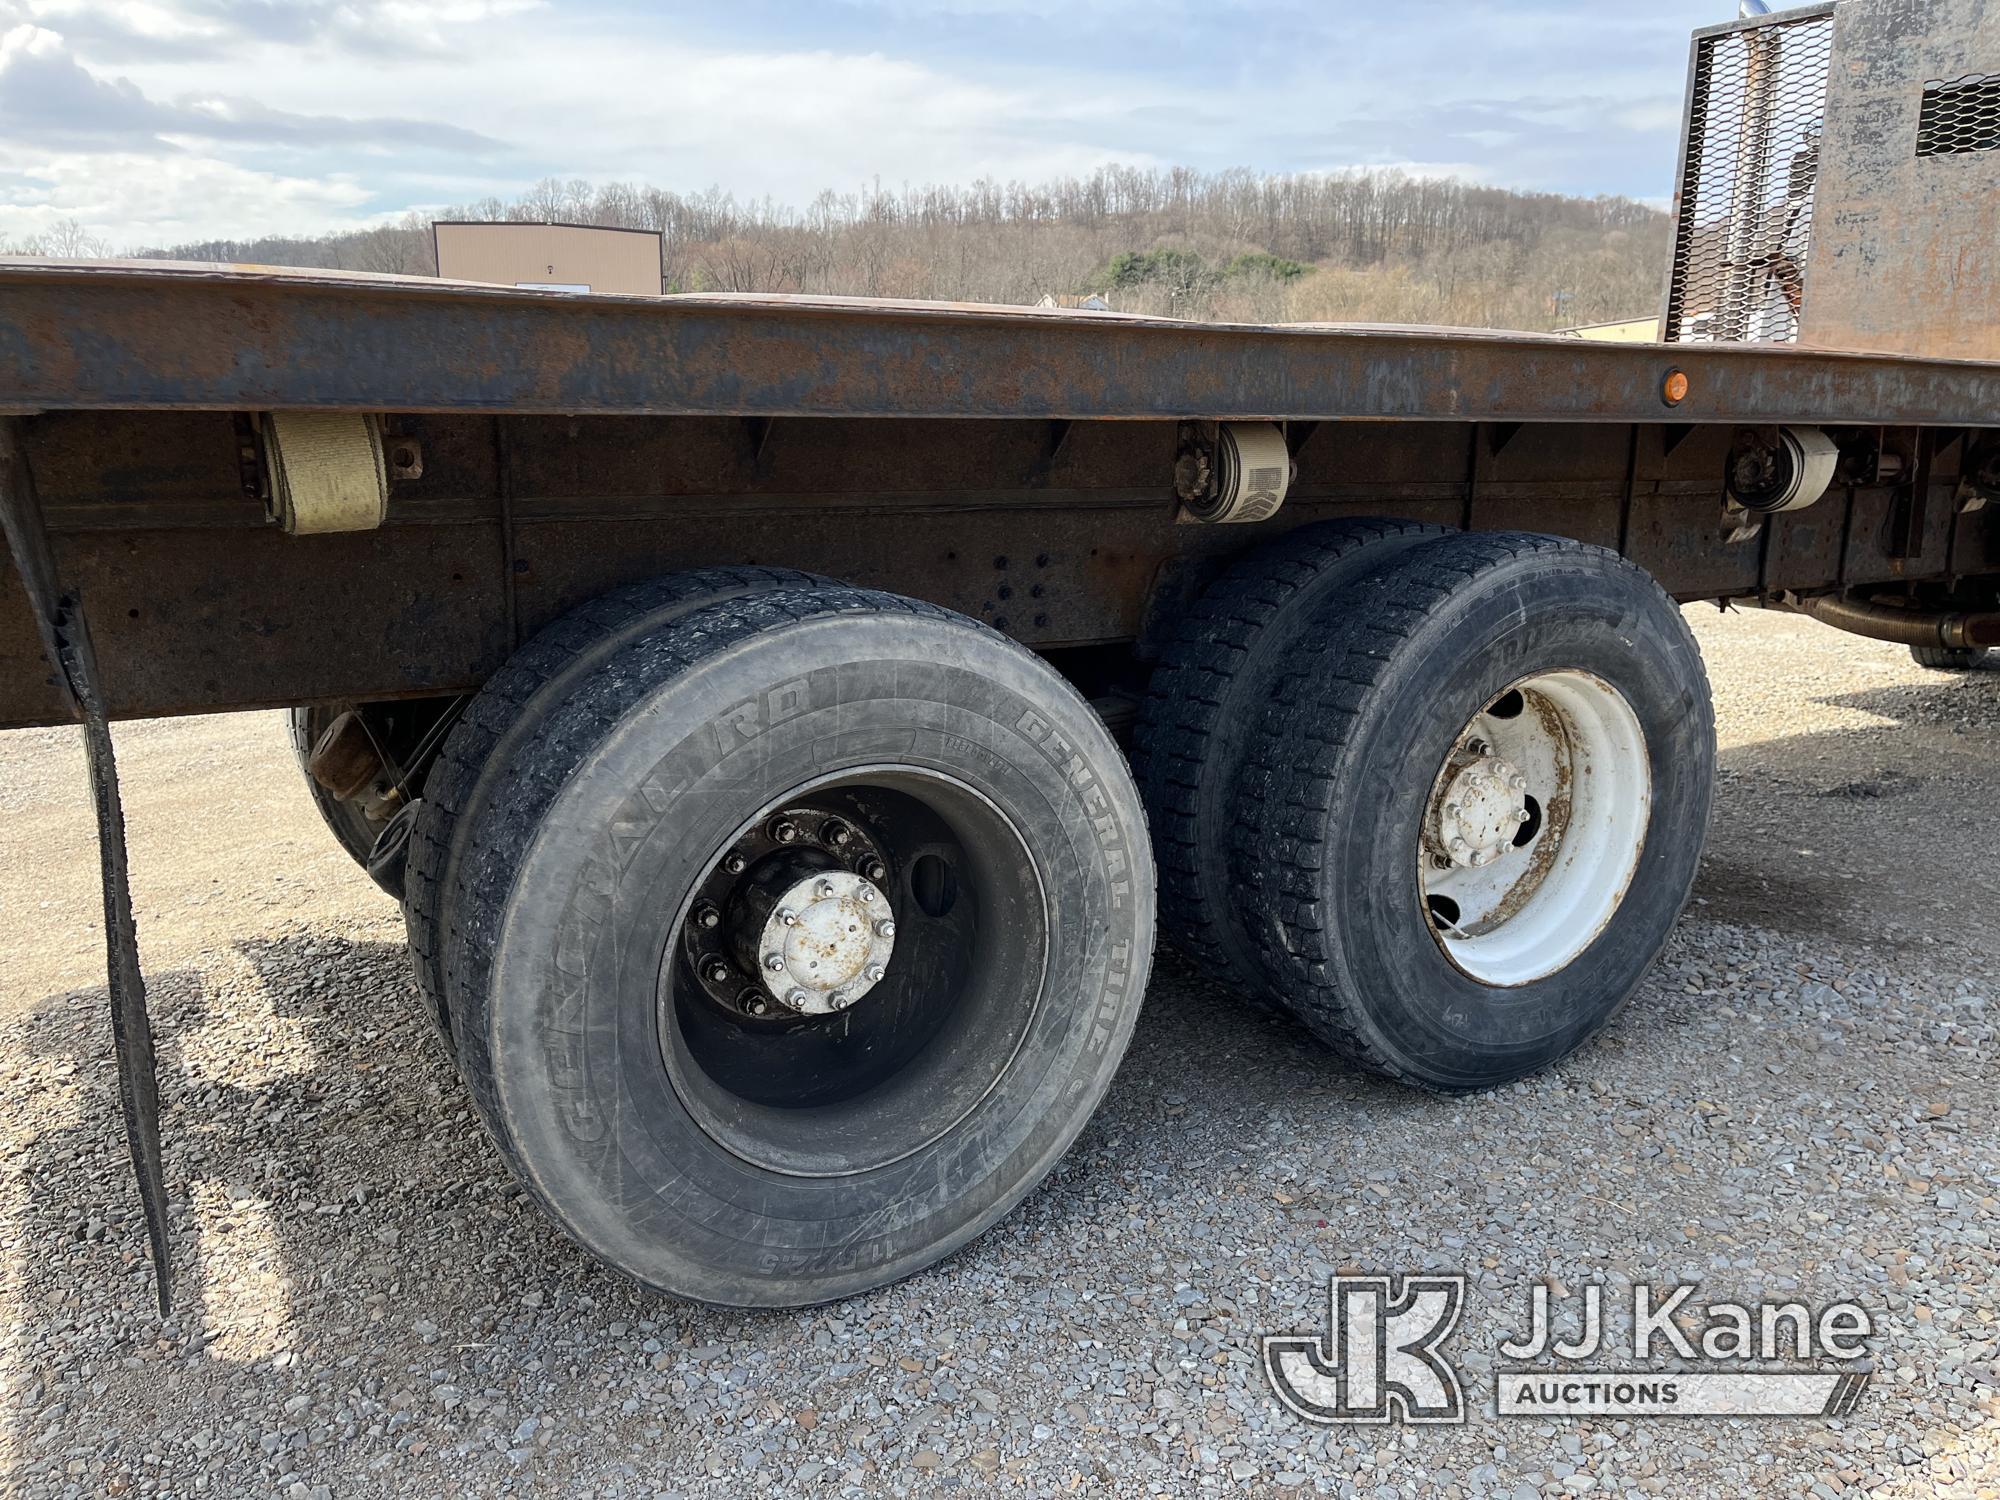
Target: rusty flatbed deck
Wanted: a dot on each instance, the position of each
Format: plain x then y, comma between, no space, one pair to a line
573,443
134,336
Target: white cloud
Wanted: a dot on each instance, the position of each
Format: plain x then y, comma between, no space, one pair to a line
49,97
152,199
155,23
1650,114
575,100
337,112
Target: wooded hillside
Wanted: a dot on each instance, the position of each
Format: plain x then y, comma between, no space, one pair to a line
1358,246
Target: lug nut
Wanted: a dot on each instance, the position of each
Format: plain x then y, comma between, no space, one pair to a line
707,916
875,973
785,831
824,889
1451,809
787,917
718,972
1459,846
734,864
874,869
1521,816
835,833
775,962
757,1006
885,927
797,999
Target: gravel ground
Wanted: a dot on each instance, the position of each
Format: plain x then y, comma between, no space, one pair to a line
1802,1101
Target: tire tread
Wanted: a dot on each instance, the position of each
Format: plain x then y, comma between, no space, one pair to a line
1300,752
564,646
1214,645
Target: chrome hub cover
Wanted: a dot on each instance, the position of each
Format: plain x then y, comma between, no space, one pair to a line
1482,809
826,943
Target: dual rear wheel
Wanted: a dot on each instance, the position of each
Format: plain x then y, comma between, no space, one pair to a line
787,933
1459,802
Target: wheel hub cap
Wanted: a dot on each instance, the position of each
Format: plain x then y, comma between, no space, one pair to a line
1534,827
1482,808
794,917
827,943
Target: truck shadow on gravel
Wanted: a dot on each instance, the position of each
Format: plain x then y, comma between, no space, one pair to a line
1843,833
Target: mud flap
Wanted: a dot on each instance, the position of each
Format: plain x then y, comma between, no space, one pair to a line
66,639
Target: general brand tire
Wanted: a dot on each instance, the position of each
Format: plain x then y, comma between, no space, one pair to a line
664,1131
558,656
346,820
1949,658
1330,855
1205,696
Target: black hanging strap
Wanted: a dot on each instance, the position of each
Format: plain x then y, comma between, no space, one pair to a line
66,639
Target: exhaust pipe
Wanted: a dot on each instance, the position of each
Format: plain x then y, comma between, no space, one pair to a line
1962,630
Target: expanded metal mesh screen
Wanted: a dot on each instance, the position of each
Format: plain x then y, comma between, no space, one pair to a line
1962,115
1756,110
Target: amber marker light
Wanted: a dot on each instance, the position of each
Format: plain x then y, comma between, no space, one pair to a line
1674,389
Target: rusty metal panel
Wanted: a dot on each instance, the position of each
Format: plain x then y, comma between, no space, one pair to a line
188,620
1059,534
1360,460
1804,548
29,693
1907,254
605,458
182,463
1074,574
119,337
1674,529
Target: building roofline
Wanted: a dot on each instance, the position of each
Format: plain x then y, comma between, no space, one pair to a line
437,224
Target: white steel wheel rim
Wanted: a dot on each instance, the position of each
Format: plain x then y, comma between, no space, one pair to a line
1534,827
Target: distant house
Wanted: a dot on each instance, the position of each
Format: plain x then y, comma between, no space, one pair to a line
1090,303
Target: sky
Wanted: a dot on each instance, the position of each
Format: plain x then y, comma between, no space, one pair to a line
156,121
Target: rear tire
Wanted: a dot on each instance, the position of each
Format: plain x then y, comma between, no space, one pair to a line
654,819
1203,703
551,664
1949,658
1518,723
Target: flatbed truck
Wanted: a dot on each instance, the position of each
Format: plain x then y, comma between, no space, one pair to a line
784,721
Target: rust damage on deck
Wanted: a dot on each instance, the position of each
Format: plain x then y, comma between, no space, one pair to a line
564,445
151,337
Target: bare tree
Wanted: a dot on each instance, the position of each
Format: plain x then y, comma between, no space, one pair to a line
1364,245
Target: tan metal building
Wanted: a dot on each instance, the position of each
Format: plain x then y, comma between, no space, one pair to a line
1624,331
560,257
